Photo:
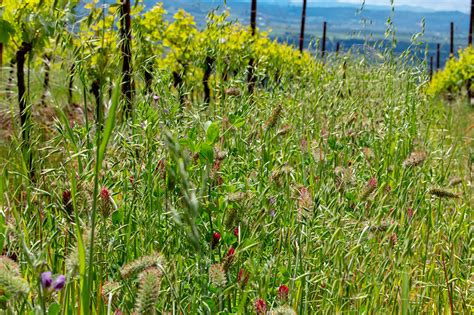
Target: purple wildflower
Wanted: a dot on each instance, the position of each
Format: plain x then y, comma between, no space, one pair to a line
46,279
59,283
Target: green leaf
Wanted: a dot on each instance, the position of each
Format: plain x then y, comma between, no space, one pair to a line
212,133
7,31
206,152
54,309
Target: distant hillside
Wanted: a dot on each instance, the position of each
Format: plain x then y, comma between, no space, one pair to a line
346,24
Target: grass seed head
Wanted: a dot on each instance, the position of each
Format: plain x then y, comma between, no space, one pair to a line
12,283
148,293
273,119
137,266
416,158
283,310
217,275
9,265
443,193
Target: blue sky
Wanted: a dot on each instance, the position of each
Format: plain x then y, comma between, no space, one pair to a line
459,5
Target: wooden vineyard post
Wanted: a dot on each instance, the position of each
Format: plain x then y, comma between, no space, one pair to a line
471,23
323,47
126,34
438,56
451,42
253,27
303,20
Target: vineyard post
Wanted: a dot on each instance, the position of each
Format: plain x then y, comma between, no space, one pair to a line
323,47
451,43
438,56
126,34
303,20
253,26
471,23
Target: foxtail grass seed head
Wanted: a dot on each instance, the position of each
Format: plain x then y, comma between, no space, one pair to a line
273,119
283,291
9,265
12,283
283,310
137,266
149,290
110,288
260,307
217,275
416,158
443,193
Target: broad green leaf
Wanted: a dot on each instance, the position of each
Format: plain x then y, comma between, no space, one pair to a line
212,133
7,30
